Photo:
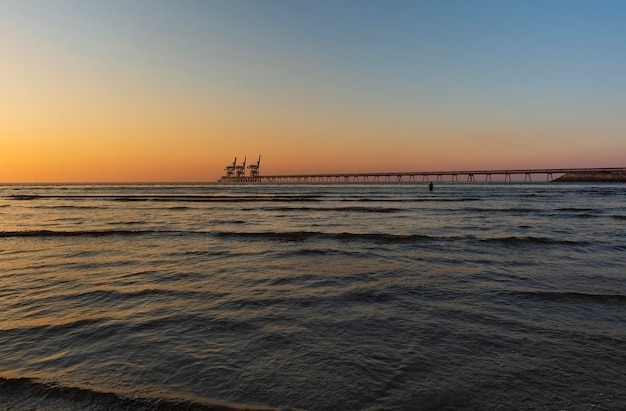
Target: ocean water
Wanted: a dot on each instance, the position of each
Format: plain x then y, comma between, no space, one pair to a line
318,297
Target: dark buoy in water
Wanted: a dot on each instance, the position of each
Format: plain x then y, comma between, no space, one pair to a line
430,186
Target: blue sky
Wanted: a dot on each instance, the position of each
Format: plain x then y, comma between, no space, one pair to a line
534,83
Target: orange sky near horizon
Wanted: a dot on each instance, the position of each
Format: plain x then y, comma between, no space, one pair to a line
172,93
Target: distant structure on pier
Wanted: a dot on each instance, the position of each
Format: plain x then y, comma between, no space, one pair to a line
236,173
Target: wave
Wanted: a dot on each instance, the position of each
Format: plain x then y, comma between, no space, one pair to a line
296,236
169,198
516,210
619,217
585,215
576,296
203,253
86,233
215,199
117,223
312,252
65,327
569,212
576,210
308,235
529,240
236,198
24,197
408,200
102,295
69,207
35,394
519,210
343,209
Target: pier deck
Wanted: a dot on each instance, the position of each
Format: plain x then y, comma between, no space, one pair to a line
415,176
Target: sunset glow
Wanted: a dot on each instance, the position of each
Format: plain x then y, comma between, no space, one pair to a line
172,91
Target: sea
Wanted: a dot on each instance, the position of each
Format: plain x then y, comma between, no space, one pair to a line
473,296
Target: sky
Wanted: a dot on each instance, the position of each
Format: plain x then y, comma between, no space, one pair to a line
172,91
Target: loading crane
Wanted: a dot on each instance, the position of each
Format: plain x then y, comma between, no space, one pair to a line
230,169
240,169
254,168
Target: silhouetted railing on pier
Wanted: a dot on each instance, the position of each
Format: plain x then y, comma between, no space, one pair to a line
415,176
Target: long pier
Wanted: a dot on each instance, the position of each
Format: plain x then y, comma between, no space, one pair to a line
415,176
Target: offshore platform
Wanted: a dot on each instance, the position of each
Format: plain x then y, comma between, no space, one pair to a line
236,173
